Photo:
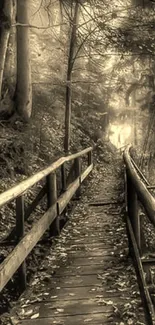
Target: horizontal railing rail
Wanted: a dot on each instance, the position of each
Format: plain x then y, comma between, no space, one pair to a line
56,204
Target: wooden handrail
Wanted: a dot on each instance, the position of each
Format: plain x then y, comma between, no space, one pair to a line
144,195
56,205
78,154
136,189
20,188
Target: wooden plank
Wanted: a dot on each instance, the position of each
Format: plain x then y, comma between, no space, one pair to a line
68,308
94,244
72,245
95,319
78,281
97,227
10,265
83,292
86,237
90,260
84,253
103,203
80,270
115,297
88,233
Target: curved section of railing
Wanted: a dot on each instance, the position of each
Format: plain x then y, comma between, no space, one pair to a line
71,180
136,191
143,193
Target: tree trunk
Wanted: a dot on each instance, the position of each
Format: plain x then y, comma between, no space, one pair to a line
24,85
69,78
6,11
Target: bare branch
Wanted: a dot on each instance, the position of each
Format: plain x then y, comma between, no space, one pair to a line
38,27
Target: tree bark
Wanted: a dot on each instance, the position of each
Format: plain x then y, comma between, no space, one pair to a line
24,85
69,78
6,11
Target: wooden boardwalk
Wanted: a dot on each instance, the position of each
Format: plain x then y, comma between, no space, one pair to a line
87,278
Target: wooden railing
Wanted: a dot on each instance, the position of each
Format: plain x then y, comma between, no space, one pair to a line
137,190
70,184
136,194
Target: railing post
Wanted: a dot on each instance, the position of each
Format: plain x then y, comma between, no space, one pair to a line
133,211
126,210
64,216
90,158
77,166
19,236
51,199
63,177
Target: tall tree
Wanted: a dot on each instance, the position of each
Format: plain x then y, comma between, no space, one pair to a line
24,85
72,46
6,10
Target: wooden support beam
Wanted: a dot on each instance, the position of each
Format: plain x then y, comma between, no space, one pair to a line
19,236
63,177
77,166
133,212
90,158
51,199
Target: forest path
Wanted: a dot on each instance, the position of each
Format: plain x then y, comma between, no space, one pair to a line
87,276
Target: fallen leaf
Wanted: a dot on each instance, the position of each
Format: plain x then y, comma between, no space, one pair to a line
60,310
35,316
